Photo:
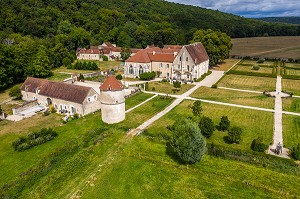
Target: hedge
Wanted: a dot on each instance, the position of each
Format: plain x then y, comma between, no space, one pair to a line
147,76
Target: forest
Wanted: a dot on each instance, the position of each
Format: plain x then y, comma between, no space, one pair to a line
290,20
36,35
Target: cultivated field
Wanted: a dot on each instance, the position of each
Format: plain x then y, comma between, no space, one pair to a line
291,86
253,123
271,47
234,97
166,87
248,82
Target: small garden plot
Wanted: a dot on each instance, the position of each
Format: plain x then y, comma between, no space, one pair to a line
292,65
291,130
166,87
248,82
292,72
136,99
291,104
260,69
256,62
253,123
291,86
234,97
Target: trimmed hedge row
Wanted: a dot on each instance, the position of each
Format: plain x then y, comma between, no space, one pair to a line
34,139
251,73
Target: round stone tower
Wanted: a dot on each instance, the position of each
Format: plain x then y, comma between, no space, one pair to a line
112,101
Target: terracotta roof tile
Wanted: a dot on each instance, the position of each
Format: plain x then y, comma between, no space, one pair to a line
89,51
162,57
111,84
142,55
63,91
197,52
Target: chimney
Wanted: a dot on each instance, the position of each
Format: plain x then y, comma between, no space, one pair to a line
153,52
175,54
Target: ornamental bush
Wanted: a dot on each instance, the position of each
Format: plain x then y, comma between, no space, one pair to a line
206,126
295,152
147,75
234,135
258,145
187,142
177,84
119,77
255,67
224,124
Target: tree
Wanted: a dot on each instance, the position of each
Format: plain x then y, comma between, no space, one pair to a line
216,43
66,62
15,92
41,64
224,124
188,142
206,126
177,84
119,77
125,54
234,134
197,108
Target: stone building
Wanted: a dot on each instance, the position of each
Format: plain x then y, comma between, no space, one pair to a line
184,63
66,98
112,99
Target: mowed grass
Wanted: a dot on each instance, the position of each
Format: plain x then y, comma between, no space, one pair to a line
254,62
248,82
226,64
264,70
136,99
142,169
293,72
12,163
291,130
291,86
234,97
291,104
166,87
283,47
253,123
59,77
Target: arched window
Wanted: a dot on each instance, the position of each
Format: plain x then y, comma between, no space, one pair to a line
130,69
168,66
141,70
188,67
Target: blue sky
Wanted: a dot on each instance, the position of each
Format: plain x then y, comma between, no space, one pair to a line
250,8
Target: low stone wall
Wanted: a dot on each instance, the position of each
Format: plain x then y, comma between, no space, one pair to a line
25,106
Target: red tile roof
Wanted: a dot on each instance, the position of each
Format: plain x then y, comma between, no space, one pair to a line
135,50
111,84
142,55
172,47
63,91
197,52
89,51
162,57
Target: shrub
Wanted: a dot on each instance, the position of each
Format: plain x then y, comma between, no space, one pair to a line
15,92
255,67
153,89
260,61
258,145
81,77
214,86
234,134
188,142
119,77
164,80
295,152
147,75
177,84
224,124
197,108
66,62
206,126
105,58
75,116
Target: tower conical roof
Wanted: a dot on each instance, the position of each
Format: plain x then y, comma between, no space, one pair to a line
111,84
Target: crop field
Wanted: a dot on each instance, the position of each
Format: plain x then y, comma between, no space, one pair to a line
226,65
166,87
291,86
291,130
234,97
248,82
266,70
253,123
291,104
271,47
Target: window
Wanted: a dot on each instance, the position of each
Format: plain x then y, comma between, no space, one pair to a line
178,67
95,97
168,66
34,97
188,67
65,107
160,65
168,75
130,69
186,59
179,58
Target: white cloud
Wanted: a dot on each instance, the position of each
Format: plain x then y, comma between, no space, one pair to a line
249,8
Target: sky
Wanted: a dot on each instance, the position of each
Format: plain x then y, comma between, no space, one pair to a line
250,8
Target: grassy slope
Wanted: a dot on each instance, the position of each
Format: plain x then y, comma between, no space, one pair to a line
235,97
226,64
291,104
248,82
252,122
144,170
291,130
137,99
291,86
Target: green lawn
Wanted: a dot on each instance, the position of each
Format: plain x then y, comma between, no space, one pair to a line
226,64
136,99
71,71
12,163
59,77
291,104
166,87
291,130
104,65
291,86
254,62
234,97
293,72
248,82
253,123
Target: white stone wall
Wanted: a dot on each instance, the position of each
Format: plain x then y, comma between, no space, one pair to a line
82,56
136,69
